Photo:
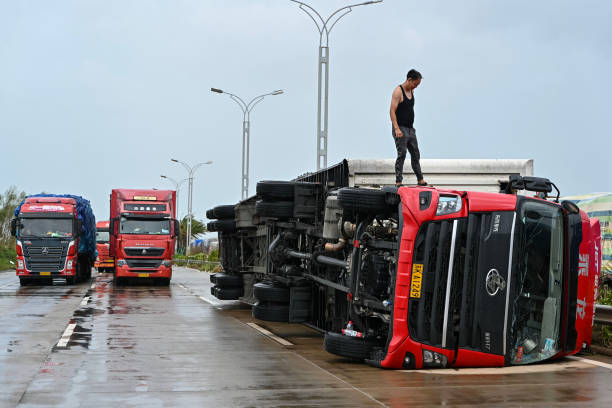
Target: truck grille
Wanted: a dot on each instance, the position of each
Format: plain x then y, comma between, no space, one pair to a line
144,251
44,259
138,263
433,250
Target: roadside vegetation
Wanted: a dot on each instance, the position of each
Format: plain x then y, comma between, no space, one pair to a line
201,261
603,332
9,200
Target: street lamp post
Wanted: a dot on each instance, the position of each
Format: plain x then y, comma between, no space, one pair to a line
246,126
177,187
191,171
325,26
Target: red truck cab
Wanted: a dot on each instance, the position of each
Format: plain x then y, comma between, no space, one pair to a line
488,279
143,231
48,240
104,262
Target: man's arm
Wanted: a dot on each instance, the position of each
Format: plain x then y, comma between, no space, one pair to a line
395,100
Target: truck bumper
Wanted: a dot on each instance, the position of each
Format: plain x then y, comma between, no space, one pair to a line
104,264
126,272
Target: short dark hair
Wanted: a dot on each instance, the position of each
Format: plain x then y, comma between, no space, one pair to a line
413,74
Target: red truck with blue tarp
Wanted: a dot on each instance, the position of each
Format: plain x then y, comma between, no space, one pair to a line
143,231
55,238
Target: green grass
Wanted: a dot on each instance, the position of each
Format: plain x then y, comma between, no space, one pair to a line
7,253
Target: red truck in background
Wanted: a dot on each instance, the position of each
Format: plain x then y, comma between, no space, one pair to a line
143,230
104,262
55,238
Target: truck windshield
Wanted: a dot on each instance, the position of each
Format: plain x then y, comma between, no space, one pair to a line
536,308
45,227
144,226
102,236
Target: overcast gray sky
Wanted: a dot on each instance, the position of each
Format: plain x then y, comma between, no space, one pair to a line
100,94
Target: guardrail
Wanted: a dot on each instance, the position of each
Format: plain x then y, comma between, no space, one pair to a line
603,314
196,262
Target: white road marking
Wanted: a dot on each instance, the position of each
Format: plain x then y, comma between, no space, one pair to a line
93,286
66,336
341,380
269,334
212,302
84,301
593,362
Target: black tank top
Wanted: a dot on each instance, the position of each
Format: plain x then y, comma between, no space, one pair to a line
405,111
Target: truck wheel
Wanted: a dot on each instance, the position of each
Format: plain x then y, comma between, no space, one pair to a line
267,292
226,293
69,280
224,280
119,281
213,278
224,212
210,214
223,225
25,281
275,190
345,346
271,312
163,281
361,200
278,209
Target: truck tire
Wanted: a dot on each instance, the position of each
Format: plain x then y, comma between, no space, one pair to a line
271,312
267,292
226,293
275,190
224,280
210,214
213,278
69,280
163,281
225,225
211,226
361,200
278,209
345,346
224,212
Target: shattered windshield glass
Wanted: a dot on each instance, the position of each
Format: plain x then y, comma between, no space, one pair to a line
536,312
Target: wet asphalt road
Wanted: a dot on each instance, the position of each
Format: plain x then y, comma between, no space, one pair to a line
97,345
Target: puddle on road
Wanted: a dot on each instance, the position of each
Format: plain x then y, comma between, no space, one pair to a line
104,298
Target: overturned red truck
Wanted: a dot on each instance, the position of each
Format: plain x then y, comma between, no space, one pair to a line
143,232
417,276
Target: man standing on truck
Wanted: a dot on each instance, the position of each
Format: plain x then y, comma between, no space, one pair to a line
402,119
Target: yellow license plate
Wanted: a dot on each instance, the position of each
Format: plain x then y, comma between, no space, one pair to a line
417,278
143,275
45,274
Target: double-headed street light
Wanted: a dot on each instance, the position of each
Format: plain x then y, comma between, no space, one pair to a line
191,171
177,187
246,126
325,26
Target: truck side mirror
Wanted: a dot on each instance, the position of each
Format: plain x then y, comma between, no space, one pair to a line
177,228
14,227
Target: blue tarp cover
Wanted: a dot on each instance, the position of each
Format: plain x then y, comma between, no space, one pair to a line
87,241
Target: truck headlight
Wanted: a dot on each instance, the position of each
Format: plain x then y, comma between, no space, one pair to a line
121,262
19,264
167,263
433,359
69,264
449,205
